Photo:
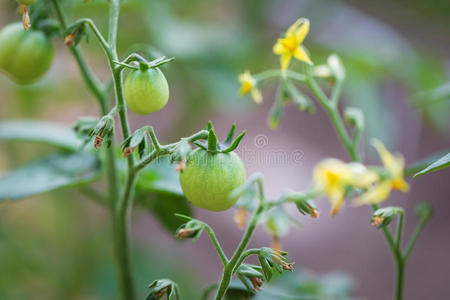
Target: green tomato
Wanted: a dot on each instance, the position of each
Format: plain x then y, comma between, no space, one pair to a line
24,55
26,2
209,178
146,91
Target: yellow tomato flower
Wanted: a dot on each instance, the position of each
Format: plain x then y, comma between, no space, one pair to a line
290,45
333,176
249,85
394,165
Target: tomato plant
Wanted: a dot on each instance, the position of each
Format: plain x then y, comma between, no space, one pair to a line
212,176
25,56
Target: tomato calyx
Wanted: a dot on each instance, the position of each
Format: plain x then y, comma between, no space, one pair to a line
226,146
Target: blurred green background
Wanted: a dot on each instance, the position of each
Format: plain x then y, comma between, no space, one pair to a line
58,245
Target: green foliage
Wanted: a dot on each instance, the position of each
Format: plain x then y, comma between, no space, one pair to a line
40,131
51,172
298,285
443,162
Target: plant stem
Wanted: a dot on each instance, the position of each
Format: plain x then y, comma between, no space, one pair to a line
277,73
414,237
236,258
123,208
399,279
228,270
216,244
332,110
399,231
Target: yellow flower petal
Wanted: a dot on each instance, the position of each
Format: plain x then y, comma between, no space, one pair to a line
278,47
302,31
256,95
301,55
293,28
376,194
247,82
400,184
386,157
336,196
285,59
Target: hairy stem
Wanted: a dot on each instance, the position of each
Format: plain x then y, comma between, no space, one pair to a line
414,237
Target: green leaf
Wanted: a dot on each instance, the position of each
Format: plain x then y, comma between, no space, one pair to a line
49,173
441,163
160,192
164,206
38,131
160,176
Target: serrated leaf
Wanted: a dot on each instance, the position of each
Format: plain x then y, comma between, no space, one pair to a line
42,132
443,162
49,173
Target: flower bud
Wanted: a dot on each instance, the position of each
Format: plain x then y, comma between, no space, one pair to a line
103,132
307,207
192,229
424,210
163,287
354,117
384,216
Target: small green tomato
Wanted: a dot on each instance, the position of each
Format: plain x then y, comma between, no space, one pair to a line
146,91
209,178
24,55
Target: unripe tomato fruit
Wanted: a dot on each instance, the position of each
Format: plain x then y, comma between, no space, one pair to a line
146,91
26,2
209,178
24,55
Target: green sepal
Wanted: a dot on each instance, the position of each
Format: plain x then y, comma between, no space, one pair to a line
235,143
229,140
212,141
209,125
